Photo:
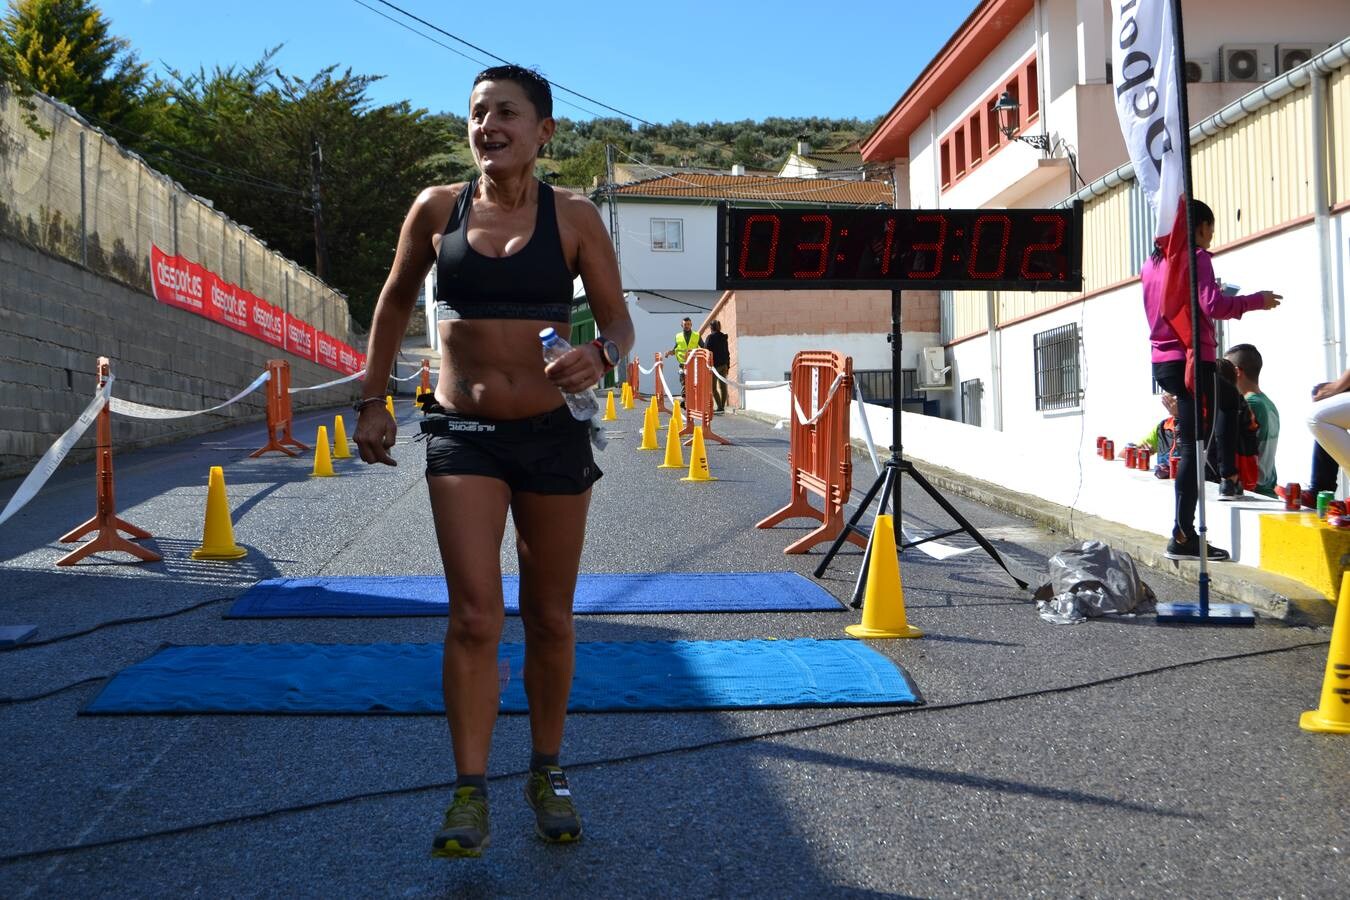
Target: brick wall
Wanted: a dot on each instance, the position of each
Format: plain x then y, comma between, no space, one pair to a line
57,318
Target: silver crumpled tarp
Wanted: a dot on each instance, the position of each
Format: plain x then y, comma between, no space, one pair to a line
1089,580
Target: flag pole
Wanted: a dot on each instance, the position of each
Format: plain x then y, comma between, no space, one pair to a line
1238,614
1184,140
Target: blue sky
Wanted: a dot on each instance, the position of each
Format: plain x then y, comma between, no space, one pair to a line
698,60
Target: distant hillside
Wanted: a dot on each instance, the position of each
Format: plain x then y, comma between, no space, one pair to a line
577,152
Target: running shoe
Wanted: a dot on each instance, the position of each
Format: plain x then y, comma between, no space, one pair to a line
1191,550
1230,489
555,816
465,832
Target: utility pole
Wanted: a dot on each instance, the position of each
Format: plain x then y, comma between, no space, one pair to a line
315,165
611,204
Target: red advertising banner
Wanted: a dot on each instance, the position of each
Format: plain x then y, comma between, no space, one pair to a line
299,337
185,284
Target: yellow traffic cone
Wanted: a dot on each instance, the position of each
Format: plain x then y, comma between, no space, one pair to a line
323,463
341,446
649,429
610,415
218,530
1332,715
627,396
389,404
698,459
884,600
676,414
674,449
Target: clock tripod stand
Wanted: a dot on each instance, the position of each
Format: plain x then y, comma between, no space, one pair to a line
887,484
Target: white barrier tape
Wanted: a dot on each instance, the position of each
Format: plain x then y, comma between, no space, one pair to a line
867,429
391,377
747,387
661,380
57,452
328,384
142,411
801,416
646,371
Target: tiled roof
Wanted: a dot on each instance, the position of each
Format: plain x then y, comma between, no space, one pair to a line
757,187
826,160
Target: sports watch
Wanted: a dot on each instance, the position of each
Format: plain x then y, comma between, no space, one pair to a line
609,352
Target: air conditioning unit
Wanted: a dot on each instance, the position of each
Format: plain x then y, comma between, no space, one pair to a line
933,368
1247,62
1291,56
1199,70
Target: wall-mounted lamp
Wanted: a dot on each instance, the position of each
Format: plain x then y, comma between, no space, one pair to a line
1006,109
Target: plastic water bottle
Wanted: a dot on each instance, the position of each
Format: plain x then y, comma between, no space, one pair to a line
583,404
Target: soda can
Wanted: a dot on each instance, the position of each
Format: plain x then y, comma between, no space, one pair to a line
1108,450
1141,457
1293,495
1130,454
1100,440
1172,464
1324,499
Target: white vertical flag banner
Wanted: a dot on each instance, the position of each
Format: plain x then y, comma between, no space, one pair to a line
1144,68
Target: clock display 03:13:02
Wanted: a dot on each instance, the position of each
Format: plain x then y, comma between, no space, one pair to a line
863,248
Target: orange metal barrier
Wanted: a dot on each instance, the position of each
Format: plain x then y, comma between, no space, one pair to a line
819,455
105,520
279,411
424,392
656,386
698,379
634,378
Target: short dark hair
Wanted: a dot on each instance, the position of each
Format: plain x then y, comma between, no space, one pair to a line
686,319
1226,370
1247,358
715,325
531,81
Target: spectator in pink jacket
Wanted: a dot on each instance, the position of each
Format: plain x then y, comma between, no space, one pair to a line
1169,371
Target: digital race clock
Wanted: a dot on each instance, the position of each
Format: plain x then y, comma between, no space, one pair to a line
948,249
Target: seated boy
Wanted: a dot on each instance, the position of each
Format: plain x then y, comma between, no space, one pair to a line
1246,360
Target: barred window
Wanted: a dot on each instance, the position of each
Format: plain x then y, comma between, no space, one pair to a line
972,395
1057,375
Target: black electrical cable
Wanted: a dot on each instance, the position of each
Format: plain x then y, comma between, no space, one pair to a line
652,754
28,645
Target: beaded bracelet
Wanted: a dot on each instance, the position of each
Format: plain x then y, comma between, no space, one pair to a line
369,401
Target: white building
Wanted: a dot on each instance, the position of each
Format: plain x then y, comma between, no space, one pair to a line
1270,146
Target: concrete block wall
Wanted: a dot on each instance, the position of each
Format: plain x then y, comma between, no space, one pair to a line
57,318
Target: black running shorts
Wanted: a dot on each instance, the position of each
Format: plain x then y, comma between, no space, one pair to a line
546,454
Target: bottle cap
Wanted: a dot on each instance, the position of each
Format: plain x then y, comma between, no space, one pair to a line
547,334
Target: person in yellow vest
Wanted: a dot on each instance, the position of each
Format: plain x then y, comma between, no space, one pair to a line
685,340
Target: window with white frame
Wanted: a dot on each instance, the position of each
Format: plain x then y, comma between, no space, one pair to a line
667,234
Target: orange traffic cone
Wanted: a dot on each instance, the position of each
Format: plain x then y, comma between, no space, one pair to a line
674,449
698,459
1332,715
218,530
649,429
341,446
323,462
884,600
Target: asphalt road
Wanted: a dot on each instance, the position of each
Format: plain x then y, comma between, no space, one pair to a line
1114,758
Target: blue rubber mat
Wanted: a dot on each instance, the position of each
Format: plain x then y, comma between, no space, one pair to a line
425,595
406,678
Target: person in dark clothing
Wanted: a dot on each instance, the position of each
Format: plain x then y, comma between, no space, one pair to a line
716,344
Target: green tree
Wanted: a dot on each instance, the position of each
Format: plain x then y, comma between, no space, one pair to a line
63,48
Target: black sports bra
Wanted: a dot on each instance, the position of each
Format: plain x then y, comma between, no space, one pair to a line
532,283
